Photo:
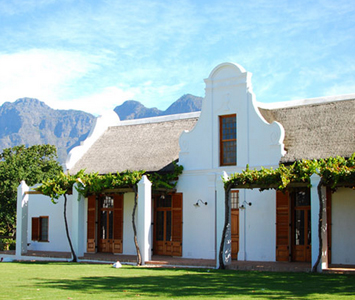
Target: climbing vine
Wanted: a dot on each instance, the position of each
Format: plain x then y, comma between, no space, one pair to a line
335,171
93,183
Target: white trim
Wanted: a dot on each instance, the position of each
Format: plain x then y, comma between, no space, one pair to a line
302,102
159,119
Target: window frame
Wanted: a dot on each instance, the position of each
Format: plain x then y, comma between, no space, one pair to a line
222,141
38,230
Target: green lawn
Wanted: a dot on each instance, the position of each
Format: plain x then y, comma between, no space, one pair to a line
94,281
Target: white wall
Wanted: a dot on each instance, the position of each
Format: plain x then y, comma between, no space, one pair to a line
39,205
128,237
198,222
343,226
259,234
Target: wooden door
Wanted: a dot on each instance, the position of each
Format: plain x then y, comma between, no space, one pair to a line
176,236
110,224
283,224
301,226
235,223
91,224
168,225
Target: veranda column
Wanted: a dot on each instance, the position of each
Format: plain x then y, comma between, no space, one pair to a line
22,219
78,228
220,220
144,231
315,179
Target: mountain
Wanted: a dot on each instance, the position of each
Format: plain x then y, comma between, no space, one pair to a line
131,109
29,121
135,110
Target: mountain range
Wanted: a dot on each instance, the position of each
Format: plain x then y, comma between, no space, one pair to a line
29,121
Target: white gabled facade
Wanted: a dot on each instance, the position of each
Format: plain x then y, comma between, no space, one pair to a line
228,91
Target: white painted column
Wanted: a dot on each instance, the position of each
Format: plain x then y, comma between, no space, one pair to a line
315,179
78,228
144,222
325,253
220,219
22,219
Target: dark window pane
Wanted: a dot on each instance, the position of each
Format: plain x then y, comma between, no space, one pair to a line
159,226
103,224
110,227
44,229
228,140
168,226
164,201
230,152
302,198
299,227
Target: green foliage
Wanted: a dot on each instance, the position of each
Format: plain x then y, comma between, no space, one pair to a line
338,171
93,183
166,180
7,244
335,171
31,164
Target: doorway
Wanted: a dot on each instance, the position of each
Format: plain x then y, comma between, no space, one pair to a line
105,223
168,225
301,226
235,223
293,226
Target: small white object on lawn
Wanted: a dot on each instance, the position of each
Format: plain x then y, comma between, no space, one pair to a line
117,265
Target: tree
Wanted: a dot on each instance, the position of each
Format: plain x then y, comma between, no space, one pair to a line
31,164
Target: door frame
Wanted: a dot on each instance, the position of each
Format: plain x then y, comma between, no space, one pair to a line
301,253
172,247
285,227
94,243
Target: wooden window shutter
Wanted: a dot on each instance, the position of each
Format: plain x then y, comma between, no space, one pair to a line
118,217
118,224
282,226
91,224
35,229
177,225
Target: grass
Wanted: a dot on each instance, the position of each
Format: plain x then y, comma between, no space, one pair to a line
93,281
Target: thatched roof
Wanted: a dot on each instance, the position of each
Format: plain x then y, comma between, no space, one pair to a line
150,146
316,129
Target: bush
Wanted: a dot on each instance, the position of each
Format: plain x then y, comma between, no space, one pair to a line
7,244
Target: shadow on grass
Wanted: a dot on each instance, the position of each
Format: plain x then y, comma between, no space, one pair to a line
209,283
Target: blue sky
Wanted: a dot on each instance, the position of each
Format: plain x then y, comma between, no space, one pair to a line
94,55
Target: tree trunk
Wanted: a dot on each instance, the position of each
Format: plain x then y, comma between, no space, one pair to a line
320,221
225,228
67,230
139,257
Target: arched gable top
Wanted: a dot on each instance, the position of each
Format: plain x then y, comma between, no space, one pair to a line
226,70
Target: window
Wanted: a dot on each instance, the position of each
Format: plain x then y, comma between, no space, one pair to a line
40,229
228,140
234,199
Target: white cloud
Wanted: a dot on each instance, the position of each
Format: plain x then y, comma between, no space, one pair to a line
97,103
43,74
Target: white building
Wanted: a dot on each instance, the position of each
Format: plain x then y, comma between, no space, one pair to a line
232,131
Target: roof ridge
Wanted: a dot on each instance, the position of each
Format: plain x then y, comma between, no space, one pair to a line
304,102
160,119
